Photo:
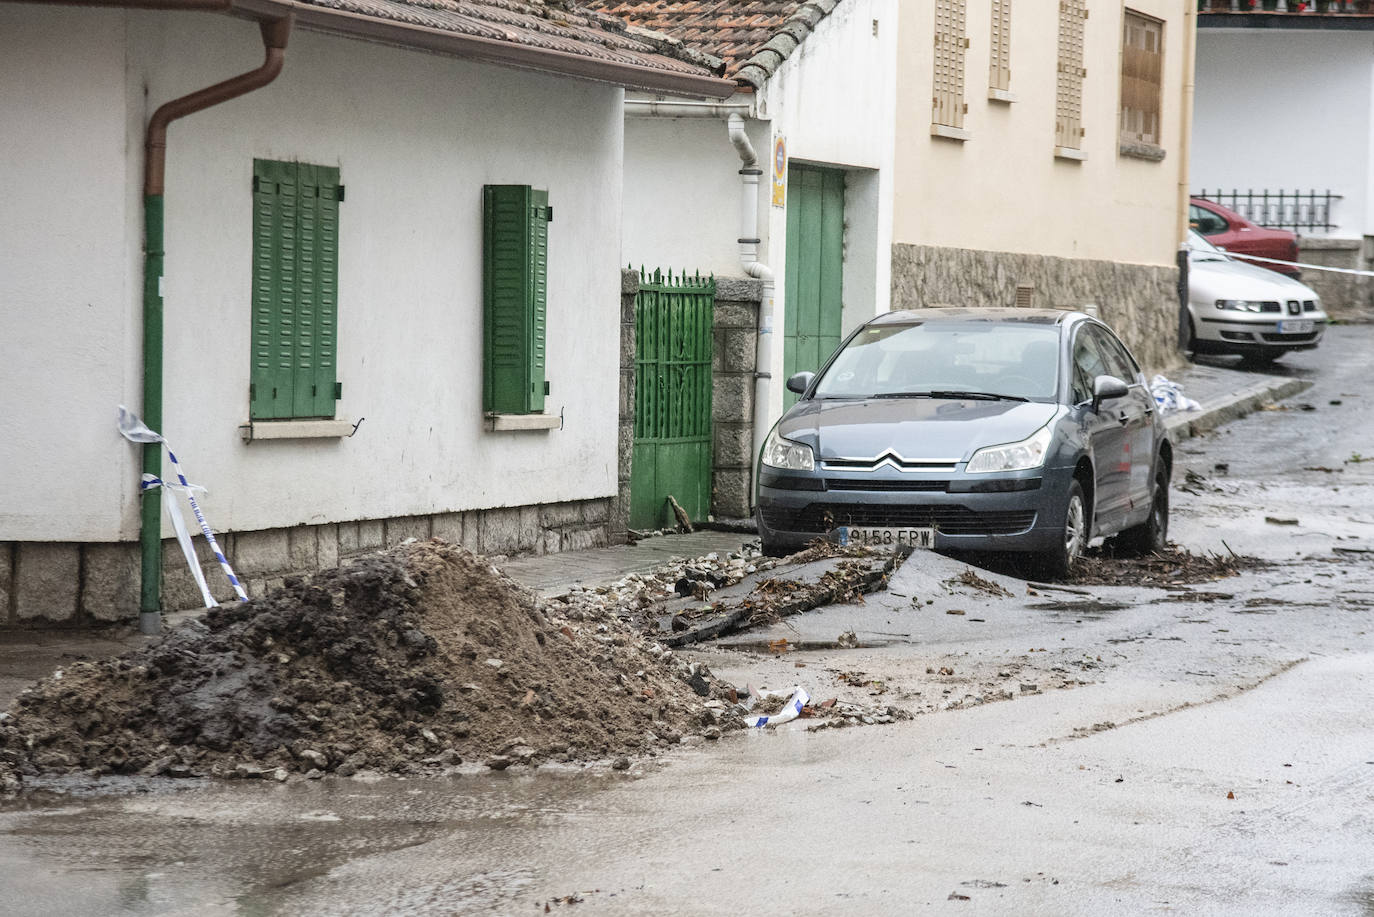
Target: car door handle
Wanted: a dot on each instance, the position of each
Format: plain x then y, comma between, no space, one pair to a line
1123,418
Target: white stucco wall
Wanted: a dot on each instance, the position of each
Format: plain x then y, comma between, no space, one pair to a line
415,137
1289,110
833,101
65,324
1002,189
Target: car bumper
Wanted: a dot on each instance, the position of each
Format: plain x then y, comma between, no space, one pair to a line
1258,334
1017,520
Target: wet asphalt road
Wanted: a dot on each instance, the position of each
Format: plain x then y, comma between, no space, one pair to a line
1208,750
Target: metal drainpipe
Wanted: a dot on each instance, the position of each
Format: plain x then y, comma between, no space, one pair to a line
274,36
749,259
1185,122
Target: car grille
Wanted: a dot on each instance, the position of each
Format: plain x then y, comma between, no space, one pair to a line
951,520
1270,307
1290,338
876,485
1309,305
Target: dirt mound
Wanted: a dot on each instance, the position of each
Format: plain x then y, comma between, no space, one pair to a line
422,657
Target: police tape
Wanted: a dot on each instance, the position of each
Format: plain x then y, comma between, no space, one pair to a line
1302,264
136,431
790,710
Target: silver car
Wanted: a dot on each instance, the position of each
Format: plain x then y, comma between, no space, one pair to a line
1244,309
994,430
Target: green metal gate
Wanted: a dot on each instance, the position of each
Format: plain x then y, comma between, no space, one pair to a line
672,448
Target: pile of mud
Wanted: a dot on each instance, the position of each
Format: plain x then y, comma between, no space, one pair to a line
419,658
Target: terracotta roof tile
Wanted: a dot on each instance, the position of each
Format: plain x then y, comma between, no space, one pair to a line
752,36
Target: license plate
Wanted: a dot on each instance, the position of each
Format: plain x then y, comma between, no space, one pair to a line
885,537
1300,326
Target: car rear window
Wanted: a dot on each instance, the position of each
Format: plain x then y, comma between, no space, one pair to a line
1005,358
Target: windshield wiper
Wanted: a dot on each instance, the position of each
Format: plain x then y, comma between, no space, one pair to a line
972,396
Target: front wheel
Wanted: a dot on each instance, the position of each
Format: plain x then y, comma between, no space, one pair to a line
1152,534
1059,560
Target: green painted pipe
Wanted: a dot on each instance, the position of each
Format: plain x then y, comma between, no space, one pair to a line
274,36
150,532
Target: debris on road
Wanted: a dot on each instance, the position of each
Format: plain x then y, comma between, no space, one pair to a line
773,708
410,660
1165,569
1276,520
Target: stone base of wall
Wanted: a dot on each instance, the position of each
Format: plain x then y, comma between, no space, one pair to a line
1344,296
734,344
1138,301
82,585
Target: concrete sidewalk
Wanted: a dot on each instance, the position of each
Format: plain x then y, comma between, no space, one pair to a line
1227,394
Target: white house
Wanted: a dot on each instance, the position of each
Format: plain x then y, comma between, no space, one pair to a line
787,182
336,238
1283,107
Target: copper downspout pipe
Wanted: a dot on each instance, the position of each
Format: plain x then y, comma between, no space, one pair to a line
274,36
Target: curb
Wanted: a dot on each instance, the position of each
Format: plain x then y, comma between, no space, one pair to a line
1185,426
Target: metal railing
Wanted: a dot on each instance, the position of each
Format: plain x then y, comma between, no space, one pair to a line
1295,210
1336,7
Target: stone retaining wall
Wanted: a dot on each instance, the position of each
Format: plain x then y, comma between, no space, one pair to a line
65,584
1344,296
1138,301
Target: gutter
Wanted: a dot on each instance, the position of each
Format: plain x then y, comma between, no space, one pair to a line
274,37
1185,133
749,241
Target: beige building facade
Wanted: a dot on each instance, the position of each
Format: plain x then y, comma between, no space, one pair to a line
1041,159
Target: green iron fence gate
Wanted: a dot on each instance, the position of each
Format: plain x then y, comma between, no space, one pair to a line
672,448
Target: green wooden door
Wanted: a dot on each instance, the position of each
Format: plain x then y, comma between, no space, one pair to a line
813,284
672,447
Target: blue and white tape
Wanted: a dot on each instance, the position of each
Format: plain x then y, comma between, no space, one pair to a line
136,431
790,710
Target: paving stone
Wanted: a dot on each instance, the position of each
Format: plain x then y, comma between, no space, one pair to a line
6,579
46,581
371,534
262,552
398,530
448,526
328,539
305,548
111,582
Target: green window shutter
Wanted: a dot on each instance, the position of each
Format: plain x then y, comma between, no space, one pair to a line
295,290
515,294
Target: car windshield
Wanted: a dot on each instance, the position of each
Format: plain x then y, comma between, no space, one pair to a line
978,359
1199,249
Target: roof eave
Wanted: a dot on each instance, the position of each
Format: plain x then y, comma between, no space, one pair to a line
406,35
472,47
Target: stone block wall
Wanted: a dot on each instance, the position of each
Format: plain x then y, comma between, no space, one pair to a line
625,439
83,585
1138,301
735,338
1344,296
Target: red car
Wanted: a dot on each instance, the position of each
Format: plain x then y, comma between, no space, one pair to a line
1229,230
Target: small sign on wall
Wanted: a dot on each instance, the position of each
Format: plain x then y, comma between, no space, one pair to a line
779,171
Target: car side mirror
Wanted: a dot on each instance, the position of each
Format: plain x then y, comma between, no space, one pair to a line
1105,388
800,382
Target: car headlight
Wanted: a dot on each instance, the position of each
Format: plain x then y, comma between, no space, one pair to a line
1240,305
1028,453
787,455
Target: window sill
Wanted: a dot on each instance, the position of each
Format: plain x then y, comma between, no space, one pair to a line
295,429
1068,152
950,133
498,423
1001,95
1146,151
